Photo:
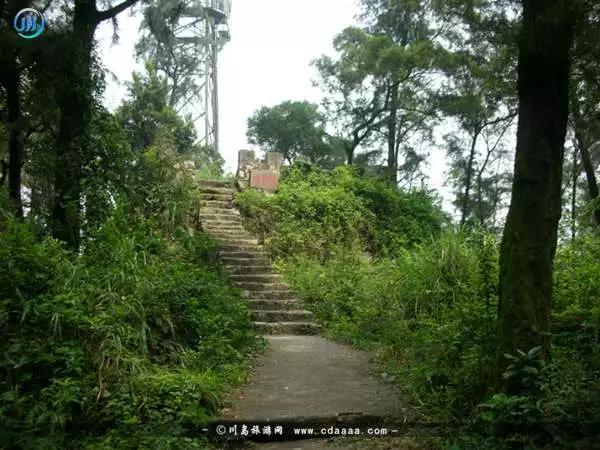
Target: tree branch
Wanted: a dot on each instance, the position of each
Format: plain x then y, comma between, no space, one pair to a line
112,12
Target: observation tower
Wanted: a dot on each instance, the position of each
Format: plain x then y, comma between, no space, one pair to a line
204,26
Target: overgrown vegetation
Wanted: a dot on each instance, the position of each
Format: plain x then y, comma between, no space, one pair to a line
118,332
315,211
129,343
424,296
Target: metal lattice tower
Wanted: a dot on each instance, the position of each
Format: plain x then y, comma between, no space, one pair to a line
205,28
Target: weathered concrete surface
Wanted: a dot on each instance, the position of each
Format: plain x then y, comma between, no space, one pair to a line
310,376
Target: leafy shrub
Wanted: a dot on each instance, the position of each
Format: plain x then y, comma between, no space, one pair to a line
425,310
137,331
387,279
562,402
315,210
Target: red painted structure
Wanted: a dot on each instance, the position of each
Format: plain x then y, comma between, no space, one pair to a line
267,180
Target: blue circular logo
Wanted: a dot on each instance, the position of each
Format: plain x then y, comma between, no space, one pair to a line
29,23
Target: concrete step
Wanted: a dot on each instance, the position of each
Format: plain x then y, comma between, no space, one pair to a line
208,196
255,286
233,236
218,215
219,219
275,294
227,229
268,277
221,208
282,316
217,205
244,258
275,308
224,228
250,249
263,269
273,305
237,236
236,253
217,190
235,240
211,224
236,265
208,184
287,328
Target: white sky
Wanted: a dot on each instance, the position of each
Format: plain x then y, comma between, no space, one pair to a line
266,62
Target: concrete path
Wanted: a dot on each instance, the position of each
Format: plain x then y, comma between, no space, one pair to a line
314,378
310,376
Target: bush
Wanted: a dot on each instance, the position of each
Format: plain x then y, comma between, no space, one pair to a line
314,211
379,271
425,310
138,332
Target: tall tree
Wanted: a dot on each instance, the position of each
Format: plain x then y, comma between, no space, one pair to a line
530,235
147,112
585,104
403,65
356,102
11,74
377,86
10,79
479,95
74,99
292,128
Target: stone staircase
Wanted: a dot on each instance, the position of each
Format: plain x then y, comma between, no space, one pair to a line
275,308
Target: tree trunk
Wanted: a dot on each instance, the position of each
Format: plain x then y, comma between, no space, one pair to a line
466,200
583,145
592,183
75,105
574,179
10,80
3,172
392,125
349,149
529,241
480,212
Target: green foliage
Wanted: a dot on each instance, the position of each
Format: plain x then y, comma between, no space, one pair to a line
106,170
577,299
315,210
147,116
430,312
559,405
424,309
136,336
160,185
372,265
296,129
159,44
209,163
147,112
